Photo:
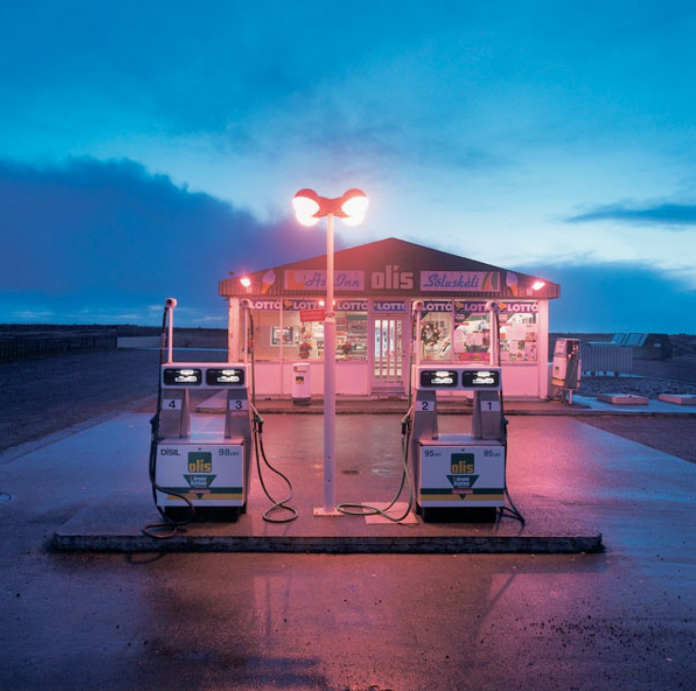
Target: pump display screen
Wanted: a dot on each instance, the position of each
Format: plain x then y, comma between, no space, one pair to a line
182,376
481,379
225,376
439,379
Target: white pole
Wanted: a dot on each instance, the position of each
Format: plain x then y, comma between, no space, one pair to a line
494,354
170,335
418,336
329,376
245,341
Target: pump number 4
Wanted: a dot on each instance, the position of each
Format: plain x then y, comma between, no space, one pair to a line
171,403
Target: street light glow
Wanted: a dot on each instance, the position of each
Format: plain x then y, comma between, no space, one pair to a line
309,207
354,205
538,285
245,281
306,206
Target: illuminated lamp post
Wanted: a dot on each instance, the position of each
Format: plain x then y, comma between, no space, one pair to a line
309,208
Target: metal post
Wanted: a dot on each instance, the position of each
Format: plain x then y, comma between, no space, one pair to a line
329,376
245,339
170,335
418,336
494,352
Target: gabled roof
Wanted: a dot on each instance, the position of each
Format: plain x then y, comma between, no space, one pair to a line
396,268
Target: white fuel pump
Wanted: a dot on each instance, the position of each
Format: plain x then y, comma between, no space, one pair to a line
206,463
202,465
464,471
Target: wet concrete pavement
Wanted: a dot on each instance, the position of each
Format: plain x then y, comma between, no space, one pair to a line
622,619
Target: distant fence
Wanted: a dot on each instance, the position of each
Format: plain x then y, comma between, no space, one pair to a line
606,357
22,348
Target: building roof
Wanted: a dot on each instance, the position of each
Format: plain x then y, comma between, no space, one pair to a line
393,268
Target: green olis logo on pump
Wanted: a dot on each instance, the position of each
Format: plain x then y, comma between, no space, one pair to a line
462,467
200,462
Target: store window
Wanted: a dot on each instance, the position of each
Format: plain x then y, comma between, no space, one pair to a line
518,333
307,337
266,335
472,336
351,336
436,336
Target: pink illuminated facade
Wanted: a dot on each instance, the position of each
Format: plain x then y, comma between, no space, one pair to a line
375,288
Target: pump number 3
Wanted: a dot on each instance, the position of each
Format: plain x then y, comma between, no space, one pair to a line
238,404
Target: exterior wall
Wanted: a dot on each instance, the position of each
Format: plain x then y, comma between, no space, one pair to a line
275,379
354,378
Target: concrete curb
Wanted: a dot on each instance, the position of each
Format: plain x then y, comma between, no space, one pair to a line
115,525
328,545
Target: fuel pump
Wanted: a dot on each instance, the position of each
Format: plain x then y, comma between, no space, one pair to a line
566,367
463,471
200,466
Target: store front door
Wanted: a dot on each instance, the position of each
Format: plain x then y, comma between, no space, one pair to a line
389,364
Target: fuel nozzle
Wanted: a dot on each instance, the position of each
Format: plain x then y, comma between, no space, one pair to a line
258,422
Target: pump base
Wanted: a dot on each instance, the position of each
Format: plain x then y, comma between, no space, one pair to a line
212,514
480,514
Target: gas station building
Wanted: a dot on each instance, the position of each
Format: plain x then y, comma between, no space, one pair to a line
376,285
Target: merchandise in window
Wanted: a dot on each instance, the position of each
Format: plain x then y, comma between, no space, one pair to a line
436,336
472,335
351,336
518,333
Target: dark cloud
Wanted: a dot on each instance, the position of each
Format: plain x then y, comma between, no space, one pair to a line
92,235
616,298
676,216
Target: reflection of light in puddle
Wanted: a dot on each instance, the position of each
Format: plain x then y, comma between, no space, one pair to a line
381,471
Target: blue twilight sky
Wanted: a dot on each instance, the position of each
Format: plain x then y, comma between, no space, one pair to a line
149,148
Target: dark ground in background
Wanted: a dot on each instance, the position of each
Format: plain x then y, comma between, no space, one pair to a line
46,395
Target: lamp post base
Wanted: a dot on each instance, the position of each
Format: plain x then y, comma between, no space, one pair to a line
321,511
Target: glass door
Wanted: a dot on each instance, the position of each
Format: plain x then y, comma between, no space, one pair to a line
389,353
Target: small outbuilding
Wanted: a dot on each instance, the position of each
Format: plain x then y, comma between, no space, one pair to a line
646,346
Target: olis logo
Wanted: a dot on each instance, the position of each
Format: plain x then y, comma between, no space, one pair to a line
200,462
392,278
462,464
462,468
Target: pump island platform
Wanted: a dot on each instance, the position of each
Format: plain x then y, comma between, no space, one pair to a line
553,464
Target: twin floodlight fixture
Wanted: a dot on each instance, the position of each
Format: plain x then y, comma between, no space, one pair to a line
310,207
